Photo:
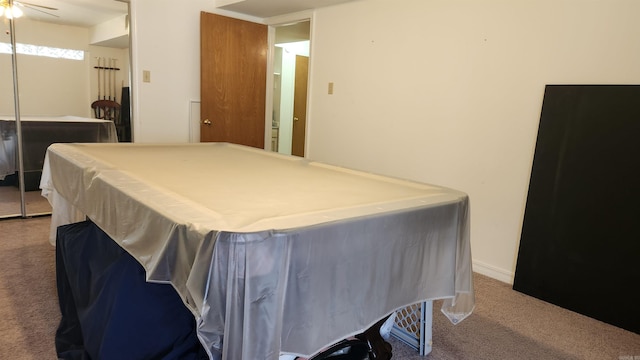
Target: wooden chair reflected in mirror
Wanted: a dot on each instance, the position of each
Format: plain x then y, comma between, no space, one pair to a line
110,110
106,109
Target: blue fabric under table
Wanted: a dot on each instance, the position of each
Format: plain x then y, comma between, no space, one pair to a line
108,309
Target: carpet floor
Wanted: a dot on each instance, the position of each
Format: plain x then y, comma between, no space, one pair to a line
505,324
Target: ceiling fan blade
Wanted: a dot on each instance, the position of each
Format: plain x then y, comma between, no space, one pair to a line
36,9
35,5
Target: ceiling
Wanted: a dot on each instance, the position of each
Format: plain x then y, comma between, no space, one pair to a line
85,13
269,8
88,13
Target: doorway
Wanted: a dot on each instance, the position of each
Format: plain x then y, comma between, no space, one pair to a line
291,54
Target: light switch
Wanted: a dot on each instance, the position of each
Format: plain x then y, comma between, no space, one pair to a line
146,76
330,88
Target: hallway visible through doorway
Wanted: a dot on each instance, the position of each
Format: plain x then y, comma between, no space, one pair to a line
290,74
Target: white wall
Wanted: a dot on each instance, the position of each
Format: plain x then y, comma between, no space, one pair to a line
166,42
442,91
112,31
51,86
450,91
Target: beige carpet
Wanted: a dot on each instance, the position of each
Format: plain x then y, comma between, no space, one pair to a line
28,298
505,325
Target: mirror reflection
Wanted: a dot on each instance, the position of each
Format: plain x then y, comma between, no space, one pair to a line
63,66
10,204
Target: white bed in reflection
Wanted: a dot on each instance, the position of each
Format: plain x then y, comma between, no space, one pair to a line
38,132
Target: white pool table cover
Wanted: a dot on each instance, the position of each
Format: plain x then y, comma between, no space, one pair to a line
271,253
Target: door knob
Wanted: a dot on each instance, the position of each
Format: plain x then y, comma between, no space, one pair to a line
295,118
206,122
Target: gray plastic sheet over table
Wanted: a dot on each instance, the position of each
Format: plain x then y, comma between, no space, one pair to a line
271,253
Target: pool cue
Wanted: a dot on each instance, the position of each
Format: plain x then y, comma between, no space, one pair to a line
115,92
109,75
104,78
98,68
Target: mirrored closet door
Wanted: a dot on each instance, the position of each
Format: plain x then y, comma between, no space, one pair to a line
62,67
10,195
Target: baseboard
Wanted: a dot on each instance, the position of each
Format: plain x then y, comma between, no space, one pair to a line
493,272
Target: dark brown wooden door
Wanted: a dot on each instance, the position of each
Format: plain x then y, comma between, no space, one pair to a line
300,106
233,70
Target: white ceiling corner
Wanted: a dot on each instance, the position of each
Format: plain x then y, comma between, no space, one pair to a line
270,8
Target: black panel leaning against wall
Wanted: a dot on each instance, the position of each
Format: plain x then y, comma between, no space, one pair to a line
580,243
